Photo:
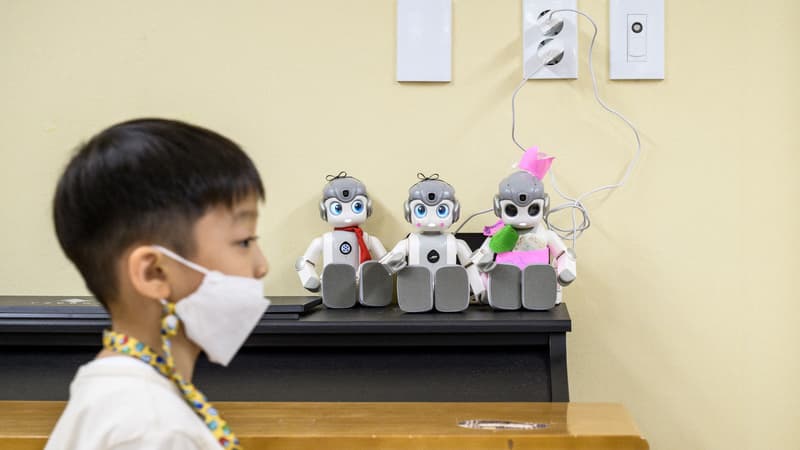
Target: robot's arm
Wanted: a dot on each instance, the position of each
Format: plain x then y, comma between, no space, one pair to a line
305,266
483,258
464,255
397,259
565,262
375,247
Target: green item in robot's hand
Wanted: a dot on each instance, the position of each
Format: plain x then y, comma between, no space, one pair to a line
504,240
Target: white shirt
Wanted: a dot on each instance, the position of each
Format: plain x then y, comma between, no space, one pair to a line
121,403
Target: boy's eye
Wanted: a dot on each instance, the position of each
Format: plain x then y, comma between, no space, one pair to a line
335,208
420,211
357,207
442,211
246,242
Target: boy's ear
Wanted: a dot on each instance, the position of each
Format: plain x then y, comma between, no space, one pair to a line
147,272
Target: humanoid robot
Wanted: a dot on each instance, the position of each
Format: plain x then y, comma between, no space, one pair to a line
521,252
428,276
350,271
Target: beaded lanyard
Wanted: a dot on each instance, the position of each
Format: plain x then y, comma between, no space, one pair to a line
130,346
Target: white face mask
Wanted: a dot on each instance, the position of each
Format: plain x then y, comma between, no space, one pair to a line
222,312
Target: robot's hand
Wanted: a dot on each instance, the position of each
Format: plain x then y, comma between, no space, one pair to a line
566,267
566,277
393,262
483,258
312,284
308,276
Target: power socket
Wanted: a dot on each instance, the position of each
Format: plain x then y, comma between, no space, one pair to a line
540,39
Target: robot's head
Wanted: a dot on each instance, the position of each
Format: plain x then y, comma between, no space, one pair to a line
432,205
521,201
345,201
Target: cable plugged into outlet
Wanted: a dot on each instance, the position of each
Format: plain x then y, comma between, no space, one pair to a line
549,41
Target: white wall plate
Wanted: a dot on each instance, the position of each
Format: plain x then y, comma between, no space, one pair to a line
424,40
533,38
636,33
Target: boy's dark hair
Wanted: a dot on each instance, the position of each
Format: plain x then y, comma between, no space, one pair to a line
144,181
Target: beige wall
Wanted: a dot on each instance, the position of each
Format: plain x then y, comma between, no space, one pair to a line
684,309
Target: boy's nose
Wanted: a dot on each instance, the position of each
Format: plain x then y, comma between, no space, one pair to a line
262,266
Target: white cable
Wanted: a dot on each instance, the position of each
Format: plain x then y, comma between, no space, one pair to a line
513,128
514,101
471,216
576,204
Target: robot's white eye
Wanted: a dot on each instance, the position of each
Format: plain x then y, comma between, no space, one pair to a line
511,210
442,211
335,208
357,207
420,211
534,209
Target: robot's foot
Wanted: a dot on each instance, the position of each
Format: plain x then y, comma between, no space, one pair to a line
415,289
339,286
376,285
539,287
451,289
504,287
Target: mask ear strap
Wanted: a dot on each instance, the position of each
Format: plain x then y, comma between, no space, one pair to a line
181,259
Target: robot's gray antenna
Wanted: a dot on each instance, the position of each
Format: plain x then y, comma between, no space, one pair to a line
341,174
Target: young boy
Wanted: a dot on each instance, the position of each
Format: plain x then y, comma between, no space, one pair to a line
159,217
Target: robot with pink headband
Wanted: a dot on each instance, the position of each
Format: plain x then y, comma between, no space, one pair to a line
526,262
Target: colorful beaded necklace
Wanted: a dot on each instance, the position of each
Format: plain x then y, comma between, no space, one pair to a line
127,345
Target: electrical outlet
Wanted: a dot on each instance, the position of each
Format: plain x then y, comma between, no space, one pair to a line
540,39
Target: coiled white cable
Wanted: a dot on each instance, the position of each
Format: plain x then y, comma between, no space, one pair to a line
513,129
575,204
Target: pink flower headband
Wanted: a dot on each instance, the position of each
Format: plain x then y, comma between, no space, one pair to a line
536,163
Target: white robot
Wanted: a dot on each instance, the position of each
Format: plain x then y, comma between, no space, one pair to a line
428,276
521,251
350,271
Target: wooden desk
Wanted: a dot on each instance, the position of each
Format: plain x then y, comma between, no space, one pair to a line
385,426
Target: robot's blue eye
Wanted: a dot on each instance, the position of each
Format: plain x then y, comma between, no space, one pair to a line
335,208
357,207
420,211
442,211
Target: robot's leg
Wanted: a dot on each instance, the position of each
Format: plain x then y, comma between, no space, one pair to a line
451,289
504,287
376,285
339,286
415,289
539,287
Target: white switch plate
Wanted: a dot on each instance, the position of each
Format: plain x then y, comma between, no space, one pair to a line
636,47
532,38
424,40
